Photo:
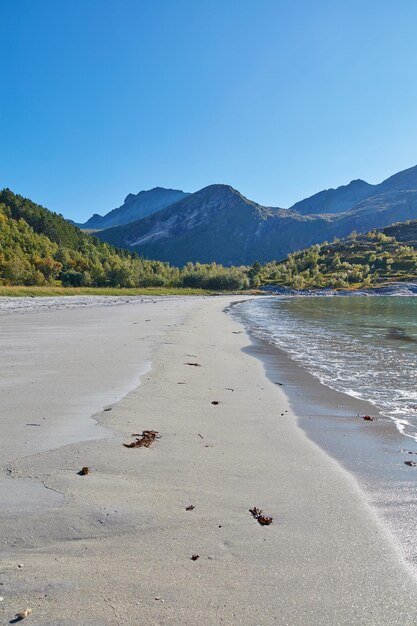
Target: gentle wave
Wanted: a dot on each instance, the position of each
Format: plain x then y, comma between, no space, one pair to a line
365,347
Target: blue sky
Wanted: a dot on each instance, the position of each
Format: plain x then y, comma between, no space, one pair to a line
280,99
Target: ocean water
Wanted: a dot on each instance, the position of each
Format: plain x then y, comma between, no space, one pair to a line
363,346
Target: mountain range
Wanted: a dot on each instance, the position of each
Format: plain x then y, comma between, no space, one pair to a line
219,224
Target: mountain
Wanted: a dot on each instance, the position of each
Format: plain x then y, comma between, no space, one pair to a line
367,260
218,224
345,197
135,207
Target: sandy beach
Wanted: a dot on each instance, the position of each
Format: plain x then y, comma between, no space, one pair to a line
114,547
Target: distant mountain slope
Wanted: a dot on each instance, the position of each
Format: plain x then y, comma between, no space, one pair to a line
372,259
345,197
135,207
335,200
404,232
218,224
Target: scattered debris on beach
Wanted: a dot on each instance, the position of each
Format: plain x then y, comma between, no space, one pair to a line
368,418
237,332
190,508
411,463
215,402
108,408
32,424
201,436
229,389
143,440
84,471
409,451
277,383
22,614
195,557
193,364
264,520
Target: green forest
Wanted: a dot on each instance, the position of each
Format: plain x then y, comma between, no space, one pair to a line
41,248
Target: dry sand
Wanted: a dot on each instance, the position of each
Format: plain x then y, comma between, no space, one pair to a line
115,547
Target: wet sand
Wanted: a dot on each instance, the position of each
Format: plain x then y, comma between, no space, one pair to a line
116,546
374,452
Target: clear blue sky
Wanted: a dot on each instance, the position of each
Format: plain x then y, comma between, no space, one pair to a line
278,98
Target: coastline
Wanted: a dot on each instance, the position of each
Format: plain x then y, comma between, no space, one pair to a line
118,549
373,452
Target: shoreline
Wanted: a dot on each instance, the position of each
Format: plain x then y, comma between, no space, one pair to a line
118,550
372,452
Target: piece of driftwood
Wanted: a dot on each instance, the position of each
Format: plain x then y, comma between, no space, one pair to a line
193,364
368,418
84,471
190,508
195,557
143,440
215,402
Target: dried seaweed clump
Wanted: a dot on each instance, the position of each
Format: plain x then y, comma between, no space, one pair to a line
263,520
143,440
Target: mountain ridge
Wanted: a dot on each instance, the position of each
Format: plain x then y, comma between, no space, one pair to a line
339,199
134,207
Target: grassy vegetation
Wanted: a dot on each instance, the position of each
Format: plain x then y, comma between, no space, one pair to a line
51,290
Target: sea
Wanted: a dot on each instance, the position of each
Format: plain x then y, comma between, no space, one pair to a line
364,346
